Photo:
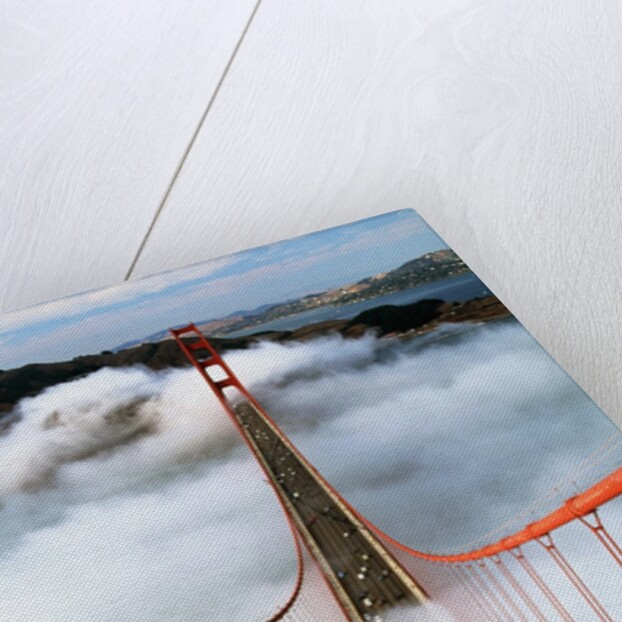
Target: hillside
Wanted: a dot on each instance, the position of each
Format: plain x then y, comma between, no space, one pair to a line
425,269
416,318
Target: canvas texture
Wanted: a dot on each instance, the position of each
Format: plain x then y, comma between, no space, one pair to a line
347,425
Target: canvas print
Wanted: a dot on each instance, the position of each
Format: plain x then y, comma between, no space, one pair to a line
344,426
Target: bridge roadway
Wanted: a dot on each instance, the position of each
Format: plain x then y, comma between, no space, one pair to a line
363,575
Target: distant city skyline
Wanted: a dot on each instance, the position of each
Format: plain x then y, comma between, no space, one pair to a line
102,319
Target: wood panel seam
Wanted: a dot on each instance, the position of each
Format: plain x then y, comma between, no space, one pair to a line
193,138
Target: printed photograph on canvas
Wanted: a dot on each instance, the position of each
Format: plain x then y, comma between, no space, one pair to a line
343,426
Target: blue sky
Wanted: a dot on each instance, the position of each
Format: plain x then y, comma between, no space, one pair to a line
102,319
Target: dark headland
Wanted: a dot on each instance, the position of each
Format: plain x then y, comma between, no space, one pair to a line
403,320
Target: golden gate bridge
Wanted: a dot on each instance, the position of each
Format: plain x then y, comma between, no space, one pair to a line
366,573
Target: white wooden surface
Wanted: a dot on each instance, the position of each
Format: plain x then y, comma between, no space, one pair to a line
499,121
98,102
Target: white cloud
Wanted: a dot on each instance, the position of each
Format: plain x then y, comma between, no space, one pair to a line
438,441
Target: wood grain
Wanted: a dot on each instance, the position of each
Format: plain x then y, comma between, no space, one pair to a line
98,102
499,121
